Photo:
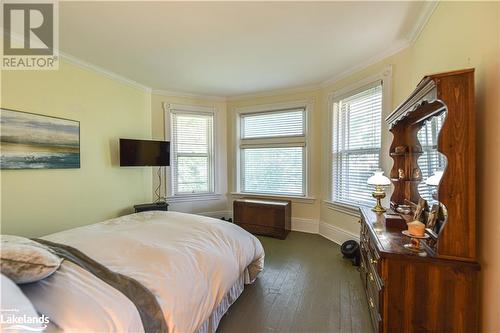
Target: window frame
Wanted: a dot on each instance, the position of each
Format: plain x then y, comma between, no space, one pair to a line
273,142
170,173
385,78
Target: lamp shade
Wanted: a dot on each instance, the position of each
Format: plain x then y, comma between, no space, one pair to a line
379,179
435,178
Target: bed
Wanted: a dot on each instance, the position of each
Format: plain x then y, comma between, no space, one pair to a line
196,267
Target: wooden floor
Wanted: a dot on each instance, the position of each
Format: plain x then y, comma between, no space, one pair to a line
306,286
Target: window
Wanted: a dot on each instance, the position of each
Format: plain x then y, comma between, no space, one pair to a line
431,160
356,142
273,152
192,152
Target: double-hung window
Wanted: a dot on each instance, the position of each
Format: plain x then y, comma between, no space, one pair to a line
272,152
356,144
192,152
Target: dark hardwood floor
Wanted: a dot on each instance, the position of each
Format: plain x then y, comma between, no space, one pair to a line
306,286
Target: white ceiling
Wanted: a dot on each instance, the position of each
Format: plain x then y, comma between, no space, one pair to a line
234,48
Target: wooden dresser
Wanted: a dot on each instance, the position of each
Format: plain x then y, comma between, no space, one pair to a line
263,217
410,293
435,288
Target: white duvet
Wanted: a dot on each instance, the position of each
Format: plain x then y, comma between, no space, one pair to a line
188,261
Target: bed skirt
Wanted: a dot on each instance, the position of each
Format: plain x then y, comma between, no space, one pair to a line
210,325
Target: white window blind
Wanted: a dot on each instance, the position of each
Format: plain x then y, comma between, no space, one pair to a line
193,161
273,124
272,152
356,144
431,160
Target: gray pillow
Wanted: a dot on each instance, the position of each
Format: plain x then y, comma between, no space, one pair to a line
24,260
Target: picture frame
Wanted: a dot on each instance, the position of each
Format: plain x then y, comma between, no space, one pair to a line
34,141
433,217
420,211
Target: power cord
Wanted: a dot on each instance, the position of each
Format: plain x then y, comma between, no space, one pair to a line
157,190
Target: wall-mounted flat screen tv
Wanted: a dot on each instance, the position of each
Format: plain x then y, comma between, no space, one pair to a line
144,153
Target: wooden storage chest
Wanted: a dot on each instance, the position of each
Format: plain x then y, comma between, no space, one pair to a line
263,217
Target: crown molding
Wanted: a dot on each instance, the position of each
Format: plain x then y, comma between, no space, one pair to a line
171,93
100,70
87,65
372,61
423,19
276,92
382,75
421,22
315,87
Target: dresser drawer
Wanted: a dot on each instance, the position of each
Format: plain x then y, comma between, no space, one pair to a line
372,249
375,288
372,297
363,266
373,270
363,230
370,275
373,293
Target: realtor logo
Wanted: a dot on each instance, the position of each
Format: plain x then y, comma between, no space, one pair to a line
30,35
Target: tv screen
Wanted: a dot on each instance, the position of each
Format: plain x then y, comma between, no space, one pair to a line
144,153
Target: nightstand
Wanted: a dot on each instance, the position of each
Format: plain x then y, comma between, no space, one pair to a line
151,206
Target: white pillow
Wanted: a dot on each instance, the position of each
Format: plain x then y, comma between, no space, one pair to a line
16,307
24,260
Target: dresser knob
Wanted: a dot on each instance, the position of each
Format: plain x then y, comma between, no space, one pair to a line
359,221
373,261
372,305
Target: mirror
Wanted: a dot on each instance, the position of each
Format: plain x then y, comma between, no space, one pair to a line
432,165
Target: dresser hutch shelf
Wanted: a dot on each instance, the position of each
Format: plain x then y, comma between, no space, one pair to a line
435,289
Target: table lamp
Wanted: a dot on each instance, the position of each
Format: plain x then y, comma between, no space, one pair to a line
379,181
433,181
435,178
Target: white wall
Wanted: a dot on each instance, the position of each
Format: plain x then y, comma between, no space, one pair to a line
39,202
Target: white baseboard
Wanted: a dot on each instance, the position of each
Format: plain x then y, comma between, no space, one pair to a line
298,224
312,226
336,234
217,214
305,225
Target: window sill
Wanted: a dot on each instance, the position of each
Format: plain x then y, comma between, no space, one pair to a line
194,197
342,208
307,200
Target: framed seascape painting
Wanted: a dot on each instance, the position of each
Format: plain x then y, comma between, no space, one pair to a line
33,141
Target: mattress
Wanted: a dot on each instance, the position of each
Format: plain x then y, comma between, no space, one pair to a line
196,267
